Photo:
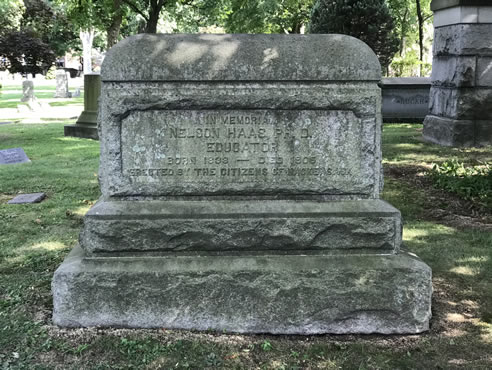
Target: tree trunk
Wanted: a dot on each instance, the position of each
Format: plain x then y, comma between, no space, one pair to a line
87,36
114,29
403,32
421,35
154,13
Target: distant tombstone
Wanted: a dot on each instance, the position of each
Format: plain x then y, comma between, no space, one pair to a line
405,99
61,84
86,125
27,198
27,91
240,179
13,156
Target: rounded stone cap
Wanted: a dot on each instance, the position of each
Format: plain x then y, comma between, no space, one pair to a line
233,57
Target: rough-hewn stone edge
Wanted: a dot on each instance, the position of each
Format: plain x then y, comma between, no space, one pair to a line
240,57
461,133
226,208
388,294
443,4
462,103
238,227
463,40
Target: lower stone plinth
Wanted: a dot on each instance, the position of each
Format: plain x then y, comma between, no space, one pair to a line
450,132
87,131
290,294
253,226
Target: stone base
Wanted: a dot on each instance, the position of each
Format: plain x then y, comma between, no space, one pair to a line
88,131
289,294
449,132
253,226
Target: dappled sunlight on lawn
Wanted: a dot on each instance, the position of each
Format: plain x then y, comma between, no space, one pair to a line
469,266
48,246
70,138
456,317
81,146
40,247
465,270
403,144
81,211
415,233
486,335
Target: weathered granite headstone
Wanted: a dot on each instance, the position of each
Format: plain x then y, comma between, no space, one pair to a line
405,99
460,110
240,179
13,156
86,125
27,198
61,84
29,98
27,91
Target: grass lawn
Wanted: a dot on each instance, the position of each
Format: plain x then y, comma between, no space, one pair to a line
452,235
11,95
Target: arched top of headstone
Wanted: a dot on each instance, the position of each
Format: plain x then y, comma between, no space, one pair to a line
206,57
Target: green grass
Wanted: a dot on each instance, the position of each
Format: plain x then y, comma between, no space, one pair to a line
12,99
34,239
18,86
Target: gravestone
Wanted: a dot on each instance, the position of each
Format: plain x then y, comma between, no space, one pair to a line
29,98
460,108
13,156
27,198
405,99
240,179
61,84
86,125
27,91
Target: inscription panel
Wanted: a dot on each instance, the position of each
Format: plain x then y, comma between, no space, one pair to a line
254,151
13,156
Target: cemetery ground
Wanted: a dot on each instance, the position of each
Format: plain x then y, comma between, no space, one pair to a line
13,110
451,234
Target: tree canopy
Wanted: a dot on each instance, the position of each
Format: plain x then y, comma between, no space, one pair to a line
395,29
367,20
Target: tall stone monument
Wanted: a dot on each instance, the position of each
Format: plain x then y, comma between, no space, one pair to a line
86,125
240,179
460,109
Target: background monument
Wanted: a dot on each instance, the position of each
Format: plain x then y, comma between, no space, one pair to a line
460,110
86,125
240,179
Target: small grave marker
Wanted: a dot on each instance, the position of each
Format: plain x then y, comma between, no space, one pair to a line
27,198
13,156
